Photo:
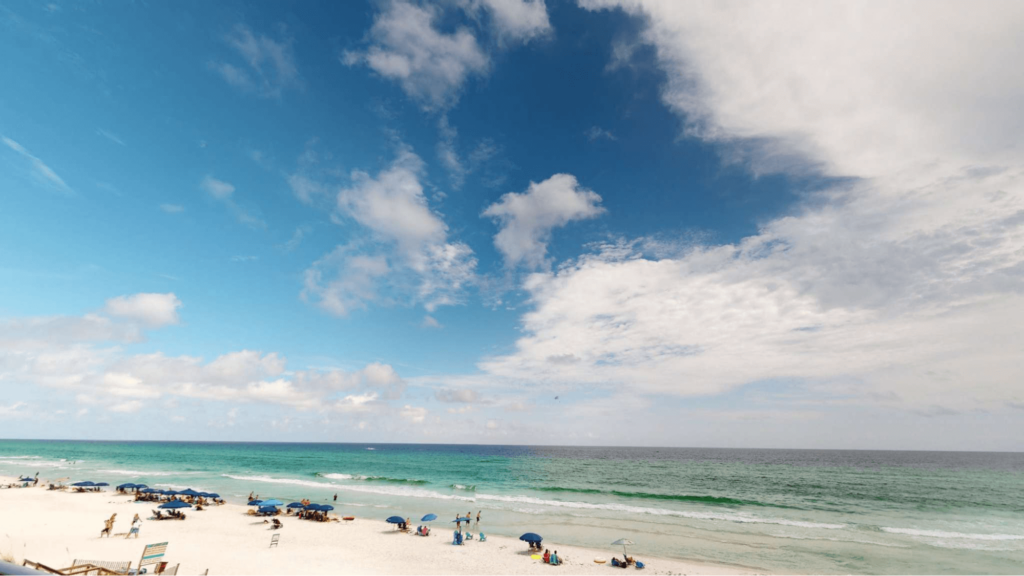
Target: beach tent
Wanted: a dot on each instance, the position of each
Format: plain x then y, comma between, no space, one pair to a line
272,502
296,505
623,542
173,504
395,520
429,518
531,537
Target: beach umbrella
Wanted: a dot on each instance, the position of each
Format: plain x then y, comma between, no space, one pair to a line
189,492
150,491
127,486
168,492
531,537
140,486
209,495
296,505
101,484
429,518
272,502
326,507
395,520
315,507
267,510
83,484
26,479
623,542
175,504
255,502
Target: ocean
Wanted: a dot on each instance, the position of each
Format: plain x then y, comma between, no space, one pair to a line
821,511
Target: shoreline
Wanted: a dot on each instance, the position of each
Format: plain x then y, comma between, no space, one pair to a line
55,528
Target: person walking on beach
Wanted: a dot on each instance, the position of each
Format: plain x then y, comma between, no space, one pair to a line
335,497
108,526
476,528
136,524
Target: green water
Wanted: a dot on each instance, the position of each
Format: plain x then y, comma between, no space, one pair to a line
776,510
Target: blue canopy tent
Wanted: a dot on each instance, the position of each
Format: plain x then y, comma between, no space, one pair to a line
175,504
429,518
272,502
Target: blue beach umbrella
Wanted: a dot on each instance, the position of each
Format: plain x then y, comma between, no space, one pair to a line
140,486
296,505
326,507
101,484
210,495
127,486
429,518
189,492
531,537
267,510
272,502
173,504
83,484
316,507
255,502
26,479
150,491
168,492
395,520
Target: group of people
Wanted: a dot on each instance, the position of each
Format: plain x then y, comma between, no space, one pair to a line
551,557
108,527
458,522
315,515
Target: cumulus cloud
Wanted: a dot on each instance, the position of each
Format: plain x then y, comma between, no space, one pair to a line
464,395
152,310
269,65
414,414
407,47
410,257
39,172
896,288
527,219
519,20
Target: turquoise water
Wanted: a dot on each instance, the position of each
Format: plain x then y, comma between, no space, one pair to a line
776,510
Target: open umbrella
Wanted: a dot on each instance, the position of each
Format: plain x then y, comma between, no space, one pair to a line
83,484
623,542
267,509
296,505
429,518
140,486
189,492
395,520
173,504
531,537
168,492
26,479
255,502
326,507
150,491
128,486
272,502
101,484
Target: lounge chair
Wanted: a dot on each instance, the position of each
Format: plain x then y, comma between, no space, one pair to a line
483,537
469,535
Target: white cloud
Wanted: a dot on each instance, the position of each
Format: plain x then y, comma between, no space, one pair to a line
464,395
300,233
430,322
270,64
597,133
152,310
172,208
219,189
13,410
527,219
410,258
414,414
899,288
38,170
519,20
430,65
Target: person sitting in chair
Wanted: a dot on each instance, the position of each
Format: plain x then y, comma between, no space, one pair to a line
547,556
554,559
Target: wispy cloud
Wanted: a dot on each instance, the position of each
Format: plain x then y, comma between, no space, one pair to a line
172,208
224,192
269,65
598,133
109,136
38,170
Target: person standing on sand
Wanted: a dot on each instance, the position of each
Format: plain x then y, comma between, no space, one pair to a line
476,528
335,497
136,524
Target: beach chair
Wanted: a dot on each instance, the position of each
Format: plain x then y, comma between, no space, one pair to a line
483,537
639,565
274,540
469,535
457,541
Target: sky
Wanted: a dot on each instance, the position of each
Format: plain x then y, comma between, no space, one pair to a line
602,222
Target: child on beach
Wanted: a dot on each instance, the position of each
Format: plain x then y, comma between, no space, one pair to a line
136,524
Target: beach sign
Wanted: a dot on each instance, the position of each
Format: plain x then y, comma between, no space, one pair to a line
153,554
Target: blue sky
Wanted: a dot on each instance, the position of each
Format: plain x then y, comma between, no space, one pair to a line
396,221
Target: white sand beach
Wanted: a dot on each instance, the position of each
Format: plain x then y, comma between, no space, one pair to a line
55,528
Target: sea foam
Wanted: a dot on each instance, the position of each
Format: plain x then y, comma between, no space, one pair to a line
958,535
